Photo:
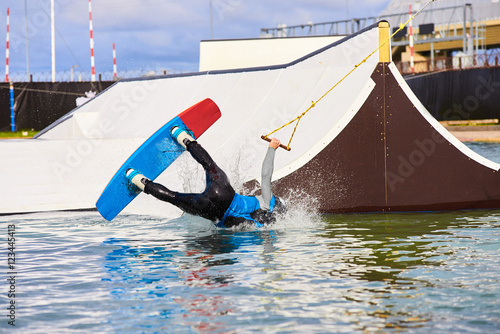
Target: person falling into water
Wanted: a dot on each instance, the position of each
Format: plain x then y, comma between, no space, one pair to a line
219,202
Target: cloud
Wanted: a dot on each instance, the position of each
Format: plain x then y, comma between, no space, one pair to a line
133,14
156,33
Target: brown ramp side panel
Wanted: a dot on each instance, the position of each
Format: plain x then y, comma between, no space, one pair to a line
390,158
424,170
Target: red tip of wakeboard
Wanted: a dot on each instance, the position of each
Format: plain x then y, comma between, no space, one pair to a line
201,116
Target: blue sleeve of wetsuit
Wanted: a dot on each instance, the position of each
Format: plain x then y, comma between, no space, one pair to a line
267,173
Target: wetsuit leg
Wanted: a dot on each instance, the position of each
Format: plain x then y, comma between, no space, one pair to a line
219,191
195,204
203,158
213,202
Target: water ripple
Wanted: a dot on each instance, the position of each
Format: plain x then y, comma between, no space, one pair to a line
418,273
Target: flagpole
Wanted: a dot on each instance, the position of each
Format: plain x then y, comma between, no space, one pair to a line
7,49
27,42
412,62
211,22
53,39
91,27
115,72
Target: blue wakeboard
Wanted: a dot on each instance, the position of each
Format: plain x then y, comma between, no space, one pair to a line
154,156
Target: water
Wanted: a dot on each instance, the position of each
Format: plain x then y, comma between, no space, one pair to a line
381,273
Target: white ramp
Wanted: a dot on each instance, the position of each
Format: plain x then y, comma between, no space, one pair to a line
69,164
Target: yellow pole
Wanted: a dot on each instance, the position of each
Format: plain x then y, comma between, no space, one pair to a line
384,53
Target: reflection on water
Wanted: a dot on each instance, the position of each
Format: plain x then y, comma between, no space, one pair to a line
411,272
432,265
345,273
395,241
190,280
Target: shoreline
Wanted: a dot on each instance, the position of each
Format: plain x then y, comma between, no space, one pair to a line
477,136
462,133
482,133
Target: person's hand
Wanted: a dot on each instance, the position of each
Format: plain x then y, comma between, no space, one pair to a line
275,143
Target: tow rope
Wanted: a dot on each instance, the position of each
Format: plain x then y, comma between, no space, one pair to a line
313,103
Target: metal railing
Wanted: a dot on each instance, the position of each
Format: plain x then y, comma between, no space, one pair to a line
448,20
343,27
459,62
68,76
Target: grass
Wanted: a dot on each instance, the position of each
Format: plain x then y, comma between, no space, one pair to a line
18,134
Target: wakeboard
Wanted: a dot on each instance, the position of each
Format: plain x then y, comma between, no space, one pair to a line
154,156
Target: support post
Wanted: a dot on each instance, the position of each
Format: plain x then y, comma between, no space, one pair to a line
12,113
471,27
432,56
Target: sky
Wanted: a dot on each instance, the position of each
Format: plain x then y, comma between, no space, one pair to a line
152,34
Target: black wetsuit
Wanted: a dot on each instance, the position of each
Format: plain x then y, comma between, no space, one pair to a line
218,197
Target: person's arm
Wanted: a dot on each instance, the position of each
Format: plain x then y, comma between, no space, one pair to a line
267,173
